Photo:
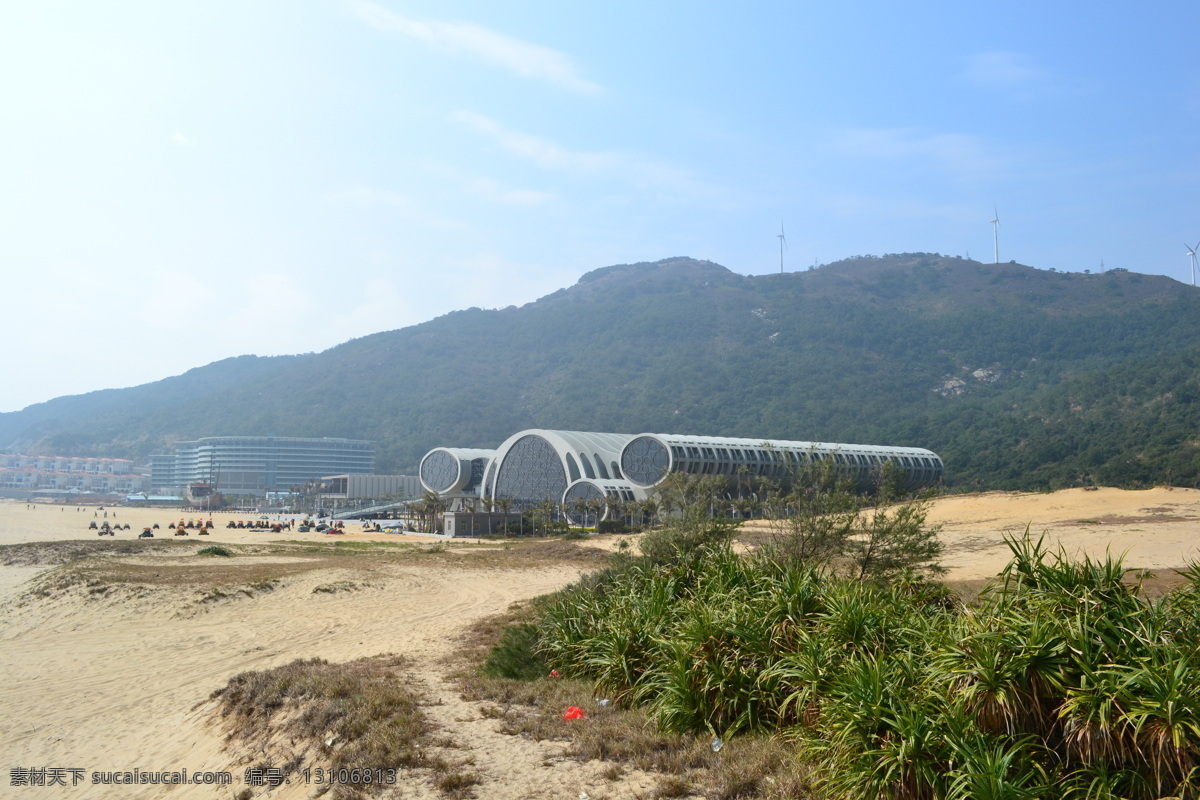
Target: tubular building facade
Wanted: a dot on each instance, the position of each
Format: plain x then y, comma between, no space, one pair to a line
647,459
455,473
535,466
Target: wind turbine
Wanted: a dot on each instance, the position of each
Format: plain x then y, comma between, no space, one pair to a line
1192,257
782,242
996,232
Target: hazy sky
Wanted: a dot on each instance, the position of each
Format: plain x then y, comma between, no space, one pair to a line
189,180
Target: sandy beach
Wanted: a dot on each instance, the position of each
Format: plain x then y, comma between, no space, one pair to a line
112,670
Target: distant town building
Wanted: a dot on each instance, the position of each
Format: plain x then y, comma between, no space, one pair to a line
69,475
255,465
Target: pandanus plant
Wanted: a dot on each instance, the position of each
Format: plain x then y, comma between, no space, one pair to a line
1058,682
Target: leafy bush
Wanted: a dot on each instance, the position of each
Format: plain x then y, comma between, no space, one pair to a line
1060,681
684,543
516,656
213,550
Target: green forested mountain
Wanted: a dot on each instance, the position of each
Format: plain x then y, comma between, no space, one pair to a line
1018,377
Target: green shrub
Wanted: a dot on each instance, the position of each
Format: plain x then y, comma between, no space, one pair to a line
1059,681
214,550
515,655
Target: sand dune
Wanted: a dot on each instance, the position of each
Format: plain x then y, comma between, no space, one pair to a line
118,678
1153,529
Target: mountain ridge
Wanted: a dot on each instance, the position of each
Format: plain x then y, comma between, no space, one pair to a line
859,350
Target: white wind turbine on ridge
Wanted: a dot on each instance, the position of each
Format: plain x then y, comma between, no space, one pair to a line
782,242
996,233
1191,251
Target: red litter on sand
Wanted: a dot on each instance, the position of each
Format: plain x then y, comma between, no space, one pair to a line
574,712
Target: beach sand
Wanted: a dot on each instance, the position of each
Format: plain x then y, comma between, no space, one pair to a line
1152,529
117,676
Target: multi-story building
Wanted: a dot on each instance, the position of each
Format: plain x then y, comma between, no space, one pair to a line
255,465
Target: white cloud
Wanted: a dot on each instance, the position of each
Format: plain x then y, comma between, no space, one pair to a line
184,141
274,290
521,58
1012,73
167,292
489,190
495,281
636,170
961,154
368,196
402,204
543,152
887,206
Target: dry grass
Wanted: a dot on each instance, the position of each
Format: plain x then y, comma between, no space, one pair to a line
672,786
176,564
759,767
1152,584
339,586
748,767
217,594
1129,519
553,551
36,554
481,636
755,535
361,715
197,572
754,766
111,560
124,569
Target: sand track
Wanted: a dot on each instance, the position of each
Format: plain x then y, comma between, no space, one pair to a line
113,682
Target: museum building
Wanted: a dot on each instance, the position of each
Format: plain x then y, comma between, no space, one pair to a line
535,466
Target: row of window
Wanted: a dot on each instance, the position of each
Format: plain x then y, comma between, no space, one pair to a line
701,460
598,472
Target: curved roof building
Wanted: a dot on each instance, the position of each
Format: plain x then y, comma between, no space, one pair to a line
610,491
454,469
536,465
647,459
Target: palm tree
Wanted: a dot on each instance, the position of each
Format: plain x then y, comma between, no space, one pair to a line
431,507
504,504
544,512
579,508
597,506
652,508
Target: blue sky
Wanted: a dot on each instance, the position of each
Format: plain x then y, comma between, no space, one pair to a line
182,182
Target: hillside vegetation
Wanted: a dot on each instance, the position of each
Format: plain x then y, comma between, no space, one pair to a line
1018,377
